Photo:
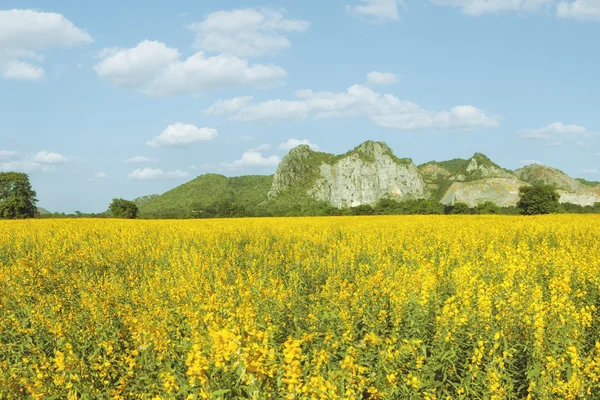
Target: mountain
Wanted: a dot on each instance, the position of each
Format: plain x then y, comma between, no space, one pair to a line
43,211
364,175
206,190
308,180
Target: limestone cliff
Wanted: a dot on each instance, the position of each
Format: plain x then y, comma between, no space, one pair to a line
503,192
571,190
364,175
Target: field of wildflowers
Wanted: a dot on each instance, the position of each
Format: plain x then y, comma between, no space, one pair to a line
416,307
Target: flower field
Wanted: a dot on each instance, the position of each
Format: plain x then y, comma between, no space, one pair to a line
415,307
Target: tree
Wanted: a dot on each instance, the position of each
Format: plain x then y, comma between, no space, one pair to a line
120,208
17,198
363,209
488,207
461,208
538,199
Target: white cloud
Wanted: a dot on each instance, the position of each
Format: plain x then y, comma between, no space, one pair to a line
154,69
384,110
25,32
44,157
226,107
582,143
479,7
591,171
24,165
263,147
291,143
376,78
147,174
253,158
41,162
8,154
245,32
529,162
376,10
100,175
579,9
556,132
182,135
20,70
244,110
140,160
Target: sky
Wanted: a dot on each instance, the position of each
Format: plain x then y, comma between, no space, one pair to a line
110,99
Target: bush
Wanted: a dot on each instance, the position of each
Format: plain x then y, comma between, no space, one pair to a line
461,208
538,199
120,208
363,209
487,207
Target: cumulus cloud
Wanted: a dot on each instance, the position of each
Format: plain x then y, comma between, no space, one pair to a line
579,9
24,33
555,133
384,110
8,154
253,158
376,78
246,32
478,7
376,10
19,70
140,160
182,135
149,174
591,171
154,69
291,143
100,175
44,157
529,162
43,161
263,147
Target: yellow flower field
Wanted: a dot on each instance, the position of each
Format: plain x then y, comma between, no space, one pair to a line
415,307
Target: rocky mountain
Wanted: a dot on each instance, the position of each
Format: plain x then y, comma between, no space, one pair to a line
365,175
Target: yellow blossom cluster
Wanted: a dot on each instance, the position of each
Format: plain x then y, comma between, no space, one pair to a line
421,307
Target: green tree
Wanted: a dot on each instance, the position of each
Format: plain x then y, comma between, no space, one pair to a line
488,207
120,208
388,207
363,209
461,208
17,198
538,199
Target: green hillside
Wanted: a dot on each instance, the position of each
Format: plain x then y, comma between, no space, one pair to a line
204,191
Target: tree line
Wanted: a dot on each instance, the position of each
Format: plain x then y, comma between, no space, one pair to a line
18,201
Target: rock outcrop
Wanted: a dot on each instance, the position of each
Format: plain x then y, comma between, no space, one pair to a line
371,172
366,175
571,190
503,192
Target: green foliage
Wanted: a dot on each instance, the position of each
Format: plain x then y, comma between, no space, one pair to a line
408,207
196,199
461,208
588,183
570,208
17,198
538,199
120,208
487,207
363,209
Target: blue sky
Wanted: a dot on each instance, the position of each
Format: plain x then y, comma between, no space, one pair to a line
117,99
